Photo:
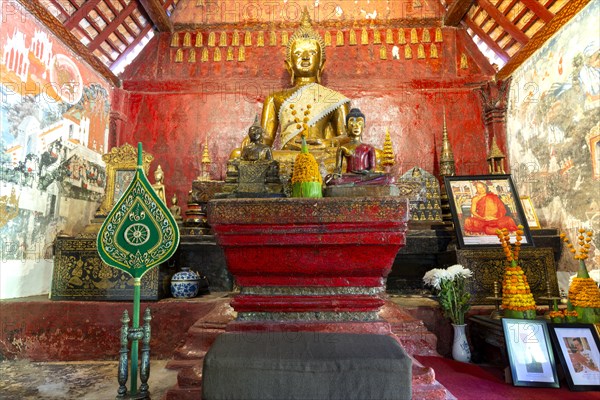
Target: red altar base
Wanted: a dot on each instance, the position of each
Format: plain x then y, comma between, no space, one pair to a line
309,264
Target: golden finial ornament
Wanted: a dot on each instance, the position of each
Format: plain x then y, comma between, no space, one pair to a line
198,42
496,159
206,164
211,39
187,39
447,165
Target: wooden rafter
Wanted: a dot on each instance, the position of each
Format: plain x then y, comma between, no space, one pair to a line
561,18
538,9
457,10
112,26
486,39
132,46
157,15
56,27
504,22
80,14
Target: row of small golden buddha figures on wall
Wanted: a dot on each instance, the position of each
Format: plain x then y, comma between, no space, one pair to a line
191,56
401,34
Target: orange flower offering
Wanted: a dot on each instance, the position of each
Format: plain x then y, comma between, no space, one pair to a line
584,293
516,294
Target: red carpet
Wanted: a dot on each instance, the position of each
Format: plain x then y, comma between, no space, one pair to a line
472,382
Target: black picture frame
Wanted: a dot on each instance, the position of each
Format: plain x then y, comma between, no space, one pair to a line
530,353
573,359
476,231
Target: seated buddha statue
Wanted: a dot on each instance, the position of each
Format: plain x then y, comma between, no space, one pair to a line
255,173
360,158
287,110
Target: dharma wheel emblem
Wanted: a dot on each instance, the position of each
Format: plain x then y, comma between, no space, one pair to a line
137,234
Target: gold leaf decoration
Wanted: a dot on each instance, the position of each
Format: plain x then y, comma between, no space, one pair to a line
421,51
327,38
235,40
223,39
376,36
179,56
389,36
230,54
413,36
217,54
272,38
198,39
382,53
438,35
426,38
260,40
285,38
175,40
192,56
407,52
339,39
352,37
241,53
187,39
401,36
211,39
433,52
248,39
204,55
364,36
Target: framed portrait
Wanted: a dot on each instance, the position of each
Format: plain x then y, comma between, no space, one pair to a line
577,346
530,214
482,204
121,163
530,353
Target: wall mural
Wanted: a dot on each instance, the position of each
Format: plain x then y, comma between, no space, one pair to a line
554,128
53,132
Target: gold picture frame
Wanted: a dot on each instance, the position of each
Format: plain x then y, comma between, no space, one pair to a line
530,214
121,163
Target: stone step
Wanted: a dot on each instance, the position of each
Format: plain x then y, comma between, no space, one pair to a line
186,393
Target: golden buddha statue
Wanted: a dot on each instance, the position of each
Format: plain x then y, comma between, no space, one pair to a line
159,186
281,110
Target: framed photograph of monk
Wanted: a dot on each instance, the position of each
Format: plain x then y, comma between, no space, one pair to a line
578,349
482,204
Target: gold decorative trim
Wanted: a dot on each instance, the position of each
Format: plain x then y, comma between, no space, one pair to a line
198,39
537,41
122,158
187,39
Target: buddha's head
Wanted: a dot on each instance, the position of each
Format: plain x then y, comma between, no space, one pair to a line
305,51
355,123
255,132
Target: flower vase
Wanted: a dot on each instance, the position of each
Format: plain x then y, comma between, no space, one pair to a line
460,346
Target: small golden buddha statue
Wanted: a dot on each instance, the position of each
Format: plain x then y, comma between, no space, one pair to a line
175,209
360,158
159,186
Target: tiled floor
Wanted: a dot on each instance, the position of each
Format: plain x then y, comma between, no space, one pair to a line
86,380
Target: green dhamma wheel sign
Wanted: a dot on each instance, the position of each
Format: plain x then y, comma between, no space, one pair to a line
139,232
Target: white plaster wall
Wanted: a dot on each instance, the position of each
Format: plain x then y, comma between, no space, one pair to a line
25,278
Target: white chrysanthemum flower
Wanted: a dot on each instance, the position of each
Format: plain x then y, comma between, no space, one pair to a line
431,278
459,270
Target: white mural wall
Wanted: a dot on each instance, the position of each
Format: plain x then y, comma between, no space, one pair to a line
553,130
54,118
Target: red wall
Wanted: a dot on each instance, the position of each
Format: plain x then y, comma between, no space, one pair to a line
174,108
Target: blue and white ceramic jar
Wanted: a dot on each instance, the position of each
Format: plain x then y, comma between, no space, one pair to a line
185,284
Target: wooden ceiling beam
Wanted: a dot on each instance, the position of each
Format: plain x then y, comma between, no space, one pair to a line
80,14
504,22
157,15
457,10
110,28
486,39
56,27
569,10
132,46
135,19
538,9
113,10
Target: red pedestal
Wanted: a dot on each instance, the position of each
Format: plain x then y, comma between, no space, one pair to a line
310,260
